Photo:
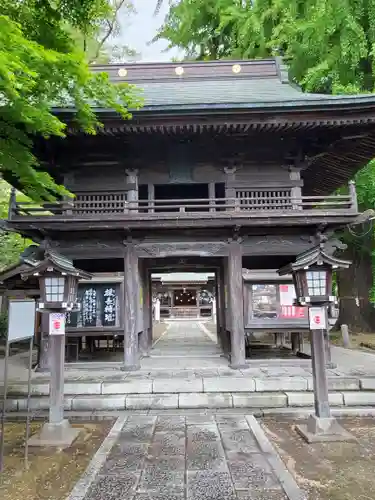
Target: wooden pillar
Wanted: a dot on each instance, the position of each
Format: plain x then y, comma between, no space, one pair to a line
57,356
132,194
145,344
227,319
69,179
230,192
353,197
131,301
141,327
295,342
151,198
44,348
221,328
148,301
211,195
296,191
235,299
318,358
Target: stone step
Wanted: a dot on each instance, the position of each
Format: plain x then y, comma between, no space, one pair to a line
108,384
196,400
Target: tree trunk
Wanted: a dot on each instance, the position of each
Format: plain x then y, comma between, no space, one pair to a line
354,287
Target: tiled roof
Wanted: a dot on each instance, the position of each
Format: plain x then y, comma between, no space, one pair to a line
220,92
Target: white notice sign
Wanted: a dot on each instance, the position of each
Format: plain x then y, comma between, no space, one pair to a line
317,318
21,322
57,324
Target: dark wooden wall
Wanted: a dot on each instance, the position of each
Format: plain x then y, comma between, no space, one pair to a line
105,177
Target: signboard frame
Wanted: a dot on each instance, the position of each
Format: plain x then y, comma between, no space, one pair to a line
317,318
57,323
21,316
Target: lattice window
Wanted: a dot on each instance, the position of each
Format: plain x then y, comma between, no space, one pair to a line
99,203
264,199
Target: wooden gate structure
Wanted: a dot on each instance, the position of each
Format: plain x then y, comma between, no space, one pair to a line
227,166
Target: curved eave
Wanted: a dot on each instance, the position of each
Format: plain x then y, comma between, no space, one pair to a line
291,115
318,103
326,173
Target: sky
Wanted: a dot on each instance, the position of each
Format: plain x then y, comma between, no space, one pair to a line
140,29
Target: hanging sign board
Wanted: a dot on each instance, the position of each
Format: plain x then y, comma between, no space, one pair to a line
21,323
57,324
317,318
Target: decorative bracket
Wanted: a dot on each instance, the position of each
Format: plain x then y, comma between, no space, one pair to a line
236,235
230,170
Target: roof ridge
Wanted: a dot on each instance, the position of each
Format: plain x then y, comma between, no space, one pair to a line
184,71
160,64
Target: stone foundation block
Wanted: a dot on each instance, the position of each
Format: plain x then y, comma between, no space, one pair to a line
231,384
11,405
269,400
281,384
338,384
152,402
307,398
42,403
18,389
127,387
56,435
177,385
75,389
367,384
205,400
86,403
359,398
321,430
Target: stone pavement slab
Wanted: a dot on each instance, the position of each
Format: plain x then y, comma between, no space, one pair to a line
189,457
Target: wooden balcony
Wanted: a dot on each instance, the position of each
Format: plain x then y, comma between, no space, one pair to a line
247,205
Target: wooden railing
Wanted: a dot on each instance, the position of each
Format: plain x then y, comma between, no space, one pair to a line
115,204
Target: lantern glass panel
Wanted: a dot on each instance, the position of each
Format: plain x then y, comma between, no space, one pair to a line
54,287
316,283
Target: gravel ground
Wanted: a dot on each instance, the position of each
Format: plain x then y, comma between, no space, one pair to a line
329,471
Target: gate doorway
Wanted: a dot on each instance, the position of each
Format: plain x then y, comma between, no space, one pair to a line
185,295
189,325
184,315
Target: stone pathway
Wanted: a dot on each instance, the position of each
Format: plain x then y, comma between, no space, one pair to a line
193,457
185,338
185,345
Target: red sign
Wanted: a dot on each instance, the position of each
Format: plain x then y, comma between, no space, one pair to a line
317,318
57,324
292,312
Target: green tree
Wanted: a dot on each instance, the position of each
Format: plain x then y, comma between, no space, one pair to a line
100,43
197,28
40,67
11,244
329,46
